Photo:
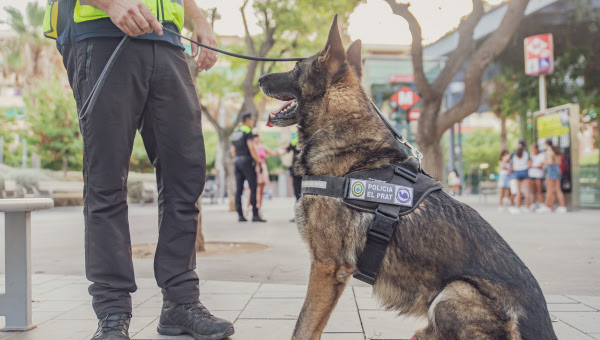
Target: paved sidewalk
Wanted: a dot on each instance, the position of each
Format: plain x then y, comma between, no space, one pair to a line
262,311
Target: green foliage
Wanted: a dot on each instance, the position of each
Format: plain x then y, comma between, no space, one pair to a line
211,141
480,146
139,161
53,123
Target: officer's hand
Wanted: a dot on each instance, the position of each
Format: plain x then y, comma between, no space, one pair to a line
204,34
133,17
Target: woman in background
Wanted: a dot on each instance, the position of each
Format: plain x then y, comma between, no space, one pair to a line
504,170
553,177
520,167
536,176
262,172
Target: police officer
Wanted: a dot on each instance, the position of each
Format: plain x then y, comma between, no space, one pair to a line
149,89
246,158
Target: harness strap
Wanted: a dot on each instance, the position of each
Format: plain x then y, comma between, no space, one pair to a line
325,185
379,234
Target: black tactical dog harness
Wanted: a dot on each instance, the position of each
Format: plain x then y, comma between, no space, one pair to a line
389,192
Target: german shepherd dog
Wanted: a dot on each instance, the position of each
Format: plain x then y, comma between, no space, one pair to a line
444,261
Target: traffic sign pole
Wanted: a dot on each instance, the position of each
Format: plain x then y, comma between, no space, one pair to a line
543,105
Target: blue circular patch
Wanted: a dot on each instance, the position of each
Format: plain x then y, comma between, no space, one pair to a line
403,195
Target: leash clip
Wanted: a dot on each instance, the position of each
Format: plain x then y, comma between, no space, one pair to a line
414,151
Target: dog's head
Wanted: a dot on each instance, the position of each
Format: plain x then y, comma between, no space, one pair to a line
304,88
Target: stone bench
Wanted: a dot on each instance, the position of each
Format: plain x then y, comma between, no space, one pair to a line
15,303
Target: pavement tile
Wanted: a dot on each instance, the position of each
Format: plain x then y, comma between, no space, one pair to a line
570,307
363,292
60,329
144,294
592,301
388,325
78,292
253,329
274,287
146,282
7,335
228,287
272,309
47,286
54,306
595,335
141,311
343,336
368,303
150,333
584,321
82,312
155,301
564,331
39,318
551,299
217,302
344,322
140,322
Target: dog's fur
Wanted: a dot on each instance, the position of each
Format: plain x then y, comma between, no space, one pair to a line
444,261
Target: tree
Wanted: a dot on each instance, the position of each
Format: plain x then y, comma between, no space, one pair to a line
433,123
52,118
28,55
284,27
502,102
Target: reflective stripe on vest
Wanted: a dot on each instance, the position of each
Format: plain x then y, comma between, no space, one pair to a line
165,10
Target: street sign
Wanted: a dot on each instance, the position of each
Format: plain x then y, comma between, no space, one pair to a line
414,114
539,54
405,98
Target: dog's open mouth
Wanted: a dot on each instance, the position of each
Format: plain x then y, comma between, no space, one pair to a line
286,114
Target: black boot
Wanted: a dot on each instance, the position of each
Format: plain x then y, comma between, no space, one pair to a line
193,319
257,218
242,219
113,327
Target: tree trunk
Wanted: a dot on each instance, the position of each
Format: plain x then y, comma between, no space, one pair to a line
199,236
433,158
503,142
65,165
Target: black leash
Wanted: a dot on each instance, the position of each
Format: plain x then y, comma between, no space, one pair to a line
90,102
241,56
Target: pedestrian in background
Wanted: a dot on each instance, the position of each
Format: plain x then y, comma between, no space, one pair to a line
296,180
520,167
553,178
243,149
454,183
504,175
536,176
262,172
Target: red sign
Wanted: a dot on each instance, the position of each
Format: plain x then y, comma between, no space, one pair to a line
414,114
405,98
401,78
539,54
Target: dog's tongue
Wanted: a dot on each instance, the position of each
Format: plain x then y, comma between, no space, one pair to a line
276,112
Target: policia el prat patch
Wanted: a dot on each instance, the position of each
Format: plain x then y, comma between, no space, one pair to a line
380,192
389,192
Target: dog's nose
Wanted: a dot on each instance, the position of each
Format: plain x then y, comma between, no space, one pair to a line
260,80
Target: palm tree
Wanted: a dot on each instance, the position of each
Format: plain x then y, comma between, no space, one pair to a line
28,52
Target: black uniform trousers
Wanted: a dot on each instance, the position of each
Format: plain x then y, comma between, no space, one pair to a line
151,89
245,169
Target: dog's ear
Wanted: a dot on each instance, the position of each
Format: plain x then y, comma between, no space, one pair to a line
333,54
354,58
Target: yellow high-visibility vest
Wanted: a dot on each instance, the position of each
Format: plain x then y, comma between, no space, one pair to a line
164,10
